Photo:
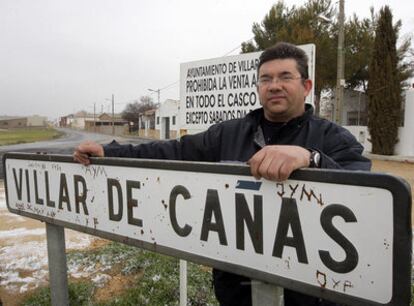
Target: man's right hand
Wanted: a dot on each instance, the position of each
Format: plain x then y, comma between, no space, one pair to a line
86,150
277,162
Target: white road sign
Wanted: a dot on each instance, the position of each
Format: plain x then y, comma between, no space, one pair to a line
345,236
224,88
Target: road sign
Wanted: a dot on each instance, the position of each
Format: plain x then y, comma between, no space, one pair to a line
339,235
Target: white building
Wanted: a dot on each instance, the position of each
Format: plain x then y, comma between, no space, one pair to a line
167,121
405,145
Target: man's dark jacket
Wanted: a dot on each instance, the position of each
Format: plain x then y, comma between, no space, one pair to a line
239,140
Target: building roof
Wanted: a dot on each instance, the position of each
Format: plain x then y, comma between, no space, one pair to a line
3,118
105,120
150,112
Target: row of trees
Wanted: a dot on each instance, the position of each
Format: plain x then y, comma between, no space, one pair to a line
373,63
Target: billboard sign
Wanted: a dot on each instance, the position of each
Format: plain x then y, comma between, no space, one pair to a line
224,88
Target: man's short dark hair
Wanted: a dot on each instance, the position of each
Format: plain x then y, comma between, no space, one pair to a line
283,50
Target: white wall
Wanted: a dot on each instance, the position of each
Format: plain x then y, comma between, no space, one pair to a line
36,120
406,134
361,133
78,123
168,109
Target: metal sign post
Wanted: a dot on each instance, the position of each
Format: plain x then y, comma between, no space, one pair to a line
266,294
183,282
339,235
58,278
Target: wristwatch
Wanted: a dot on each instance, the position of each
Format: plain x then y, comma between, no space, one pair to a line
315,159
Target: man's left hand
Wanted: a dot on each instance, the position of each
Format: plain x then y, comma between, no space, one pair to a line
277,162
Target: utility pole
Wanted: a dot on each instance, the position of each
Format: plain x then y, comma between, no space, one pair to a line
113,115
340,81
94,117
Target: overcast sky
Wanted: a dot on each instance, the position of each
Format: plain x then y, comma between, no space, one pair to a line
58,57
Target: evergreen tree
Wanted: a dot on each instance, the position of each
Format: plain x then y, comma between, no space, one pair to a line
302,25
384,87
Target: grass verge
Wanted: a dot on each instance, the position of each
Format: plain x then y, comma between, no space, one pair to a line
153,279
16,136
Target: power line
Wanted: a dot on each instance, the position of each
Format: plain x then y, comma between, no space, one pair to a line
177,82
249,40
174,84
171,85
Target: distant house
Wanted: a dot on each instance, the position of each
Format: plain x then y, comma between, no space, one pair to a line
147,124
106,125
36,121
65,121
10,122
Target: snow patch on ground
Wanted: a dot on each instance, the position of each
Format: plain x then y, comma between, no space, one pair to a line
19,232
24,265
100,279
19,260
23,253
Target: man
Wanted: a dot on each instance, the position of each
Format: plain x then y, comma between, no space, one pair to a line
274,140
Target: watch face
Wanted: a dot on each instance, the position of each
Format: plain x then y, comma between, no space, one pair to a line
317,158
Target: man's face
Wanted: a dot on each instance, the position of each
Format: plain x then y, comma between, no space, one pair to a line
281,89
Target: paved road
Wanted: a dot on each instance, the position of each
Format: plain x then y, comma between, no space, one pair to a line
63,145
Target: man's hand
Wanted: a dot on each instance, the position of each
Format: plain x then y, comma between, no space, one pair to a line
277,162
87,149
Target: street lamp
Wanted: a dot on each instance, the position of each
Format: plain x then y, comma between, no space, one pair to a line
340,79
157,91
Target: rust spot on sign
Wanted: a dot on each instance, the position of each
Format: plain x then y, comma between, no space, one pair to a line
321,278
